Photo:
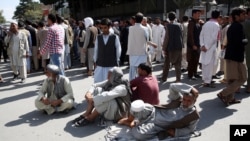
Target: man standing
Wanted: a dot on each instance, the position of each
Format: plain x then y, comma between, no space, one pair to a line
137,45
54,43
209,38
33,46
89,43
18,52
193,44
184,24
107,51
236,70
41,37
247,34
158,34
173,44
56,93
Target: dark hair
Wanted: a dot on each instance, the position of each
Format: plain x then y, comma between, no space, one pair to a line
28,22
185,18
236,12
97,22
59,19
41,24
195,11
21,24
52,18
138,17
171,16
145,67
215,14
106,21
248,10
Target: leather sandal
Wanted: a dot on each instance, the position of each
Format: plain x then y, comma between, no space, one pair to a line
234,101
211,85
223,99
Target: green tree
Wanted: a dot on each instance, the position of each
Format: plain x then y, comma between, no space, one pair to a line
27,9
2,19
183,5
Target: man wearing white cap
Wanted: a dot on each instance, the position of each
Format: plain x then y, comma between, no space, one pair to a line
18,51
176,119
56,93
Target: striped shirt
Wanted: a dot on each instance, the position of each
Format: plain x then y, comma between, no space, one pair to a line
54,41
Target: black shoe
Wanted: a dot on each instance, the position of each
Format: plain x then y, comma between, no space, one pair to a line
192,78
82,122
183,70
15,77
216,77
197,76
219,73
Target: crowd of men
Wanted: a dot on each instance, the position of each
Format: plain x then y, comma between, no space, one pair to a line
220,43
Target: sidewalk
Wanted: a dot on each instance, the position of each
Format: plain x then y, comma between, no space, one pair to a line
21,121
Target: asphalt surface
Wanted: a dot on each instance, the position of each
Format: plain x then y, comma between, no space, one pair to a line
20,120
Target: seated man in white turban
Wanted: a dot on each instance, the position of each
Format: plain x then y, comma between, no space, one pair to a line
56,93
176,119
109,99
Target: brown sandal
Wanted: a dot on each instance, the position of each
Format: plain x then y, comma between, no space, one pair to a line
223,99
211,85
234,101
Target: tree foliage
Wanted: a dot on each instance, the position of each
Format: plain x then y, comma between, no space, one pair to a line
47,2
27,9
2,18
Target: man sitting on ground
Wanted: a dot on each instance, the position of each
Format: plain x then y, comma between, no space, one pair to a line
110,99
176,119
56,93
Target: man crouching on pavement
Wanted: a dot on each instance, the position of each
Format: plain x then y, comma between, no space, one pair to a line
56,93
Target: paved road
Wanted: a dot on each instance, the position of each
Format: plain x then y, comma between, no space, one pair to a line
20,120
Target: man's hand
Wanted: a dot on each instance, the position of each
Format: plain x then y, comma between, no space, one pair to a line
56,103
203,48
45,101
195,47
89,96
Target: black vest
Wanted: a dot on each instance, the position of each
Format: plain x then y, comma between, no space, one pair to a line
106,55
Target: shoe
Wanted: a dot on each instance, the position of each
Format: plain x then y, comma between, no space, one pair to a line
23,80
216,77
219,73
183,70
234,101
197,76
90,73
77,119
192,78
15,77
211,85
223,99
82,122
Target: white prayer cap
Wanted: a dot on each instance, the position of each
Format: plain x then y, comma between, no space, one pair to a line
137,106
116,23
14,22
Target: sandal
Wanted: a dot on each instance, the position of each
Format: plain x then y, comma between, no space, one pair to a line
78,118
234,101
208,85
82,122
223,99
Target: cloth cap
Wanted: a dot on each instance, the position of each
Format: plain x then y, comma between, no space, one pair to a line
137,106
53,69
88,22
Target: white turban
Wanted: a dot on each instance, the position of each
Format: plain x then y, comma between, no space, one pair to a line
88,22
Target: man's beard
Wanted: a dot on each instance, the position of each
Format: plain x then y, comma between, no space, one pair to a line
186,108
